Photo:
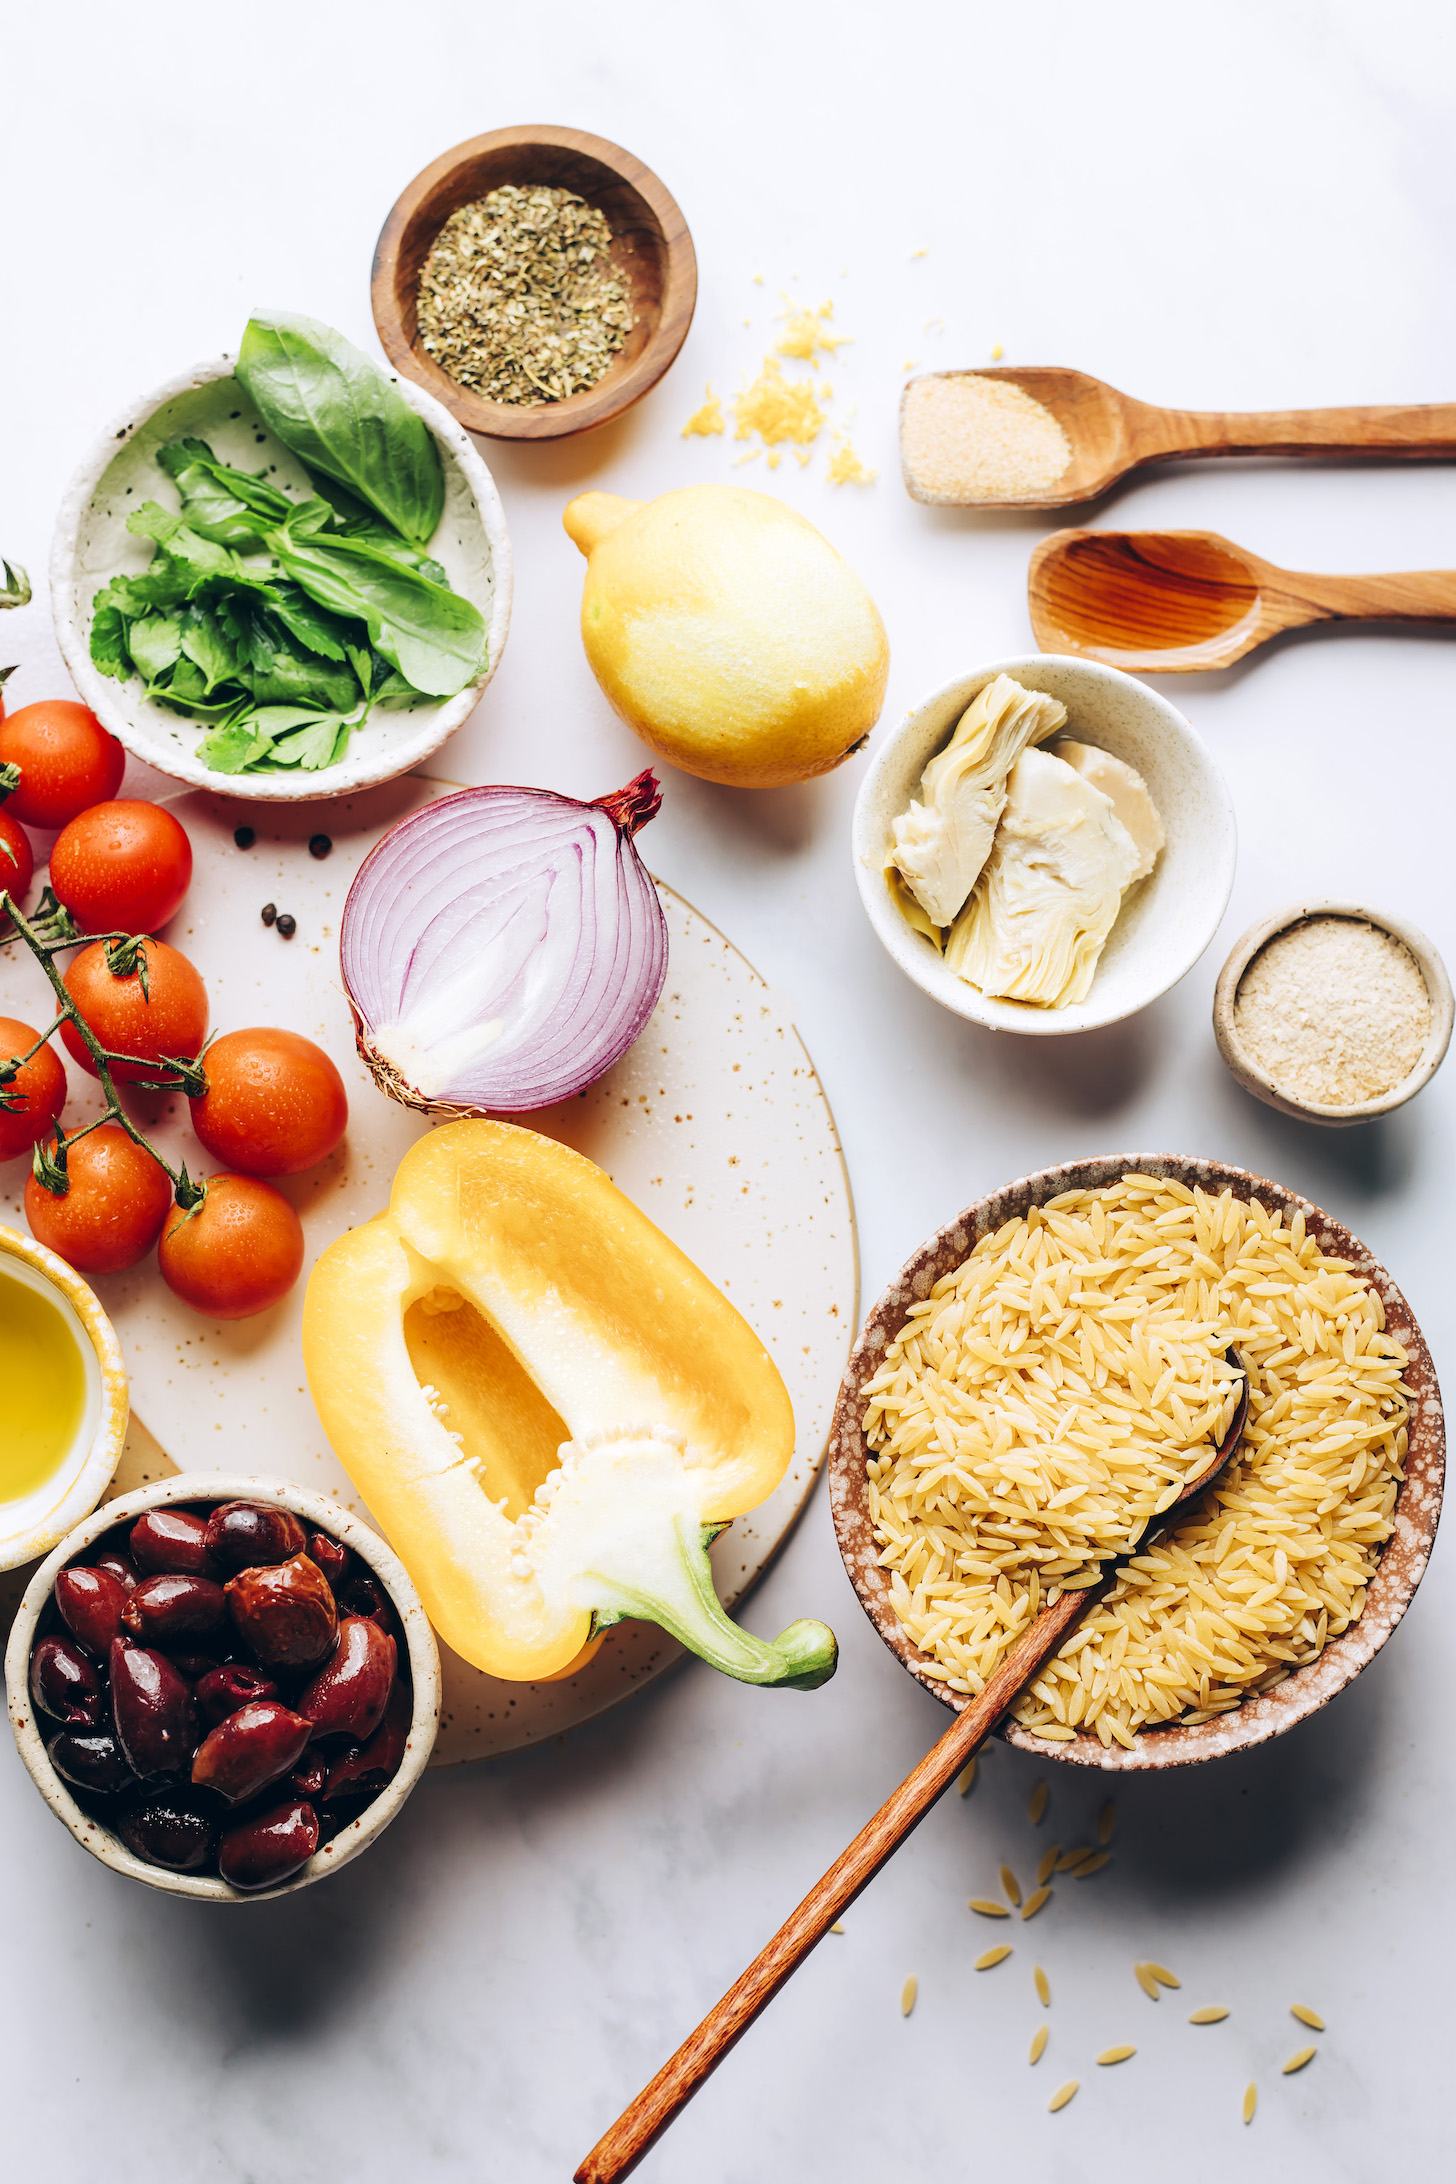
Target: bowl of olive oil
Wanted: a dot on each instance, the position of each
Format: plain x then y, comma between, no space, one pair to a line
63,1399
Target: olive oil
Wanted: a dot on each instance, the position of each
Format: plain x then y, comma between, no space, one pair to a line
42,1388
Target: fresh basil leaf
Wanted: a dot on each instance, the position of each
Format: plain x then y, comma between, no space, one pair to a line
174,537
155,643
435,638
207,646
232,750
314,630
307,518
340,415
108,641
349,511
293,678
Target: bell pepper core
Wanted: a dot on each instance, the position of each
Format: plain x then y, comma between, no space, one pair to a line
547,1407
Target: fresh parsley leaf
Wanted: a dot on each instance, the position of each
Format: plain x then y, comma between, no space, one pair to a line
155,643
108,641
207,645
311,747
232,750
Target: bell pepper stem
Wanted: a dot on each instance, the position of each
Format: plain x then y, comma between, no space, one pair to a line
686,1604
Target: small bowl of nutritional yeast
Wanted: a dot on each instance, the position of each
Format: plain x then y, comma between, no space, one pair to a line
537,281
1333,1012
63,1399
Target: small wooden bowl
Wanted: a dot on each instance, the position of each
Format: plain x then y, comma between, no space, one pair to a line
651,248
1403,1559
1253,1078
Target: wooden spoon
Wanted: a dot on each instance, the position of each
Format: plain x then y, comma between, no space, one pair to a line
1112,433
639,2127
1173,602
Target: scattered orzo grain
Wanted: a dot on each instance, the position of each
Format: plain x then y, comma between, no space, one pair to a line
1010,1883
1213,2015
1036,1809
988,1909
1161,1973
990,1957
1307,2016
1038,2043
1034,1902
1043,1987
1106,1821
837,1927
907,1995
1116,2054
1048,1864
1147,1982
1251,2100
1299,2058
1070,1858
1047,1398
1094,1864
1063,2094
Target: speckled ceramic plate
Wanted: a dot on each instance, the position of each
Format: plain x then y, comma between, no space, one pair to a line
714,1122
1401,1566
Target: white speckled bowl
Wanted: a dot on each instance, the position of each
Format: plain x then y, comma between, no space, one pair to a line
1403,1560
1165,923
92,544
32,1526
316,1510
1255,1080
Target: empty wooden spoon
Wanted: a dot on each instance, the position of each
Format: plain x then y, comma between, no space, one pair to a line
1174,602
639,2127
1111,433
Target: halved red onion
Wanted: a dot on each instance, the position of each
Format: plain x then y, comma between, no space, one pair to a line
503,947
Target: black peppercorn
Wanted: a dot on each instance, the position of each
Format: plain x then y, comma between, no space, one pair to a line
244,837
287,925
319,845
270,912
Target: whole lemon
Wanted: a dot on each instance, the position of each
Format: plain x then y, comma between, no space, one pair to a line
728,632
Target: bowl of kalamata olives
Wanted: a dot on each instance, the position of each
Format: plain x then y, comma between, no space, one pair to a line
225,1686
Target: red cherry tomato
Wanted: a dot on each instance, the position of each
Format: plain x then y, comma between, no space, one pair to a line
113,1209
66,761
17,859
170,1018
122,866
274,1105
236,1253
40,1089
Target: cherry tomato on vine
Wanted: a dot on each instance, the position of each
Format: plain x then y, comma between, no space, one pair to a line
274,1105
169,1018
122,866
66,759
17,859
236,1253
113,1208
40,1088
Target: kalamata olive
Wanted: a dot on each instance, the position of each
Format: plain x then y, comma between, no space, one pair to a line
331,1558
286,1613
171,1542
118,1564
363,1594
91,1759
194,1665
164,1609
364,1771
309,1777
249,1750
64,1683
156,1720
241,1535
91,1602
223,1690
270,1847
350,1692
170,1830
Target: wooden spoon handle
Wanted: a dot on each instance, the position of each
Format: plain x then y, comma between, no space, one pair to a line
1424,429
638,2128
1416,595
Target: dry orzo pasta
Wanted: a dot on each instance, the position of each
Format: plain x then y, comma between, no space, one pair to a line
1049,1395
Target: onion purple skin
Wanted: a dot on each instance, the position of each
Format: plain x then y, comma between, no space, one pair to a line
512,907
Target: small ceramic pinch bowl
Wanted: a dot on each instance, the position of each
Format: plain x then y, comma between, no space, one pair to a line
31,1524
651,249
193,1490
1398,1572
1165,922
92,544
1255,1079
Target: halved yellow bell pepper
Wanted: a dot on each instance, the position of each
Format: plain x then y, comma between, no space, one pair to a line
548,1408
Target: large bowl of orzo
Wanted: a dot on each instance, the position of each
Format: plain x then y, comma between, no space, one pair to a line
1046,1368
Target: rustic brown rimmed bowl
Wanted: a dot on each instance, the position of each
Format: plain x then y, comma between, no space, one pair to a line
1264,1087
1401,1566
188,1488
651,249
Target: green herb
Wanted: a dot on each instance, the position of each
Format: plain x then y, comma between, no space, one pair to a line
282,622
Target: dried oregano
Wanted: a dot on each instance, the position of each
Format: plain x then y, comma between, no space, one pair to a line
519,298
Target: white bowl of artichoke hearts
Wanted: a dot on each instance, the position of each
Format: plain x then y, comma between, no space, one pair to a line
1044,845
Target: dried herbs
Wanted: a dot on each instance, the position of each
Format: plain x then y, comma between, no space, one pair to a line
519,298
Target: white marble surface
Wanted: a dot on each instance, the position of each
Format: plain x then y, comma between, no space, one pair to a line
1244,207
